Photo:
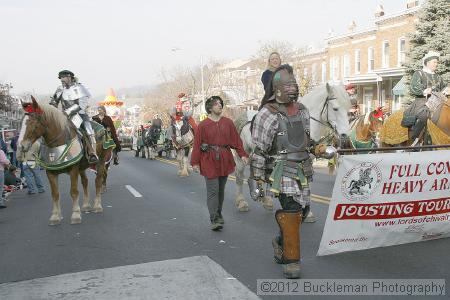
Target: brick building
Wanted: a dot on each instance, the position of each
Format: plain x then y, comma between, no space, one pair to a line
370,58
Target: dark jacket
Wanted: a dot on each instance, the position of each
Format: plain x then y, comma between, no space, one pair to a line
108,123
266,77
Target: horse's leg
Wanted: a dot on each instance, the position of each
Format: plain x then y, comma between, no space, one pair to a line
239,200
179,160
105,176
153,155
55,218
184,162
86,206
101,170
76,212
150,152
189,167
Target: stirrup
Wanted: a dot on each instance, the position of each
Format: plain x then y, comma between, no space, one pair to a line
416,141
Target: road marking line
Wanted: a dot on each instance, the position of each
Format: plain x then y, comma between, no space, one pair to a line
133,191
314,197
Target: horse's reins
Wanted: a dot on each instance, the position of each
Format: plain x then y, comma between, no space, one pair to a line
325,107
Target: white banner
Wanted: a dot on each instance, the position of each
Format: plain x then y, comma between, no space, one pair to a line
388,199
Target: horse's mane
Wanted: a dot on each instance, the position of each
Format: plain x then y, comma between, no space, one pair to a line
52,114
312,96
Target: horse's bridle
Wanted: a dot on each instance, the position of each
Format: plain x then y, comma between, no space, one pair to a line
38,118
325,108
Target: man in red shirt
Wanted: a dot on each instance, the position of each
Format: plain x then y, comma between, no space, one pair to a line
211,155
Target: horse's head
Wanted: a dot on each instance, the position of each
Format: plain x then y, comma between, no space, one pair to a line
375,120
33,127
328,106
338,103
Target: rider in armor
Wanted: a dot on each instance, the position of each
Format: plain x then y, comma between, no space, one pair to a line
74,99
282,157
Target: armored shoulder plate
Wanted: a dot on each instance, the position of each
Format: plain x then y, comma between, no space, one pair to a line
75,92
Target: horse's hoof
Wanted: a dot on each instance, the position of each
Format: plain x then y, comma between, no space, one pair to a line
184,174
243,206
268,203
97,210
310,218
74,221
54,222
86,208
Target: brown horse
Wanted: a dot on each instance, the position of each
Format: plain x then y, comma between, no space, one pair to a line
363,134
61,152
365,129
393,134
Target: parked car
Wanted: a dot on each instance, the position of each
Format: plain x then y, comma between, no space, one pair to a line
126,141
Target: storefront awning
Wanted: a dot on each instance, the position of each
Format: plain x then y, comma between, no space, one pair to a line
400,88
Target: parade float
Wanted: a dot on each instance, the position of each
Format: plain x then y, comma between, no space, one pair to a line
113,108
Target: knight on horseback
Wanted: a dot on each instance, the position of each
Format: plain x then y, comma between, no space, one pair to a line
423,83
282,157
74,99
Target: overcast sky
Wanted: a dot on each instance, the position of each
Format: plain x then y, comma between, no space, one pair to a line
112,43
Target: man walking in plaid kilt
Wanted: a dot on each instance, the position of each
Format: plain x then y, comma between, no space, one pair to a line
282,157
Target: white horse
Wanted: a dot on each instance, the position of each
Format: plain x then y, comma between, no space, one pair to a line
182,137
328,106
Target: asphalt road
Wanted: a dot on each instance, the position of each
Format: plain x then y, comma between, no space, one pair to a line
170,221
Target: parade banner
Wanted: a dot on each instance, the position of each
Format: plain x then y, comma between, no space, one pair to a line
388,199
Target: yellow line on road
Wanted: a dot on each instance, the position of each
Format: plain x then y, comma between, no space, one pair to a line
314,197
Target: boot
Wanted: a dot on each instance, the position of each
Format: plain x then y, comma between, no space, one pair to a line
289,222
116,158
417,129
93,158
215,225
219,218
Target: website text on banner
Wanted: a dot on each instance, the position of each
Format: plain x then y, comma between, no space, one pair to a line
388,199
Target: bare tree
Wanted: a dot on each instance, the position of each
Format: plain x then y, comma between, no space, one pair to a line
286,49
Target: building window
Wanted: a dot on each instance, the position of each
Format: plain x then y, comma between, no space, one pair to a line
314,73
357,61
385,52
324,72
346,64
370,59
401,51
367,99
334,68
